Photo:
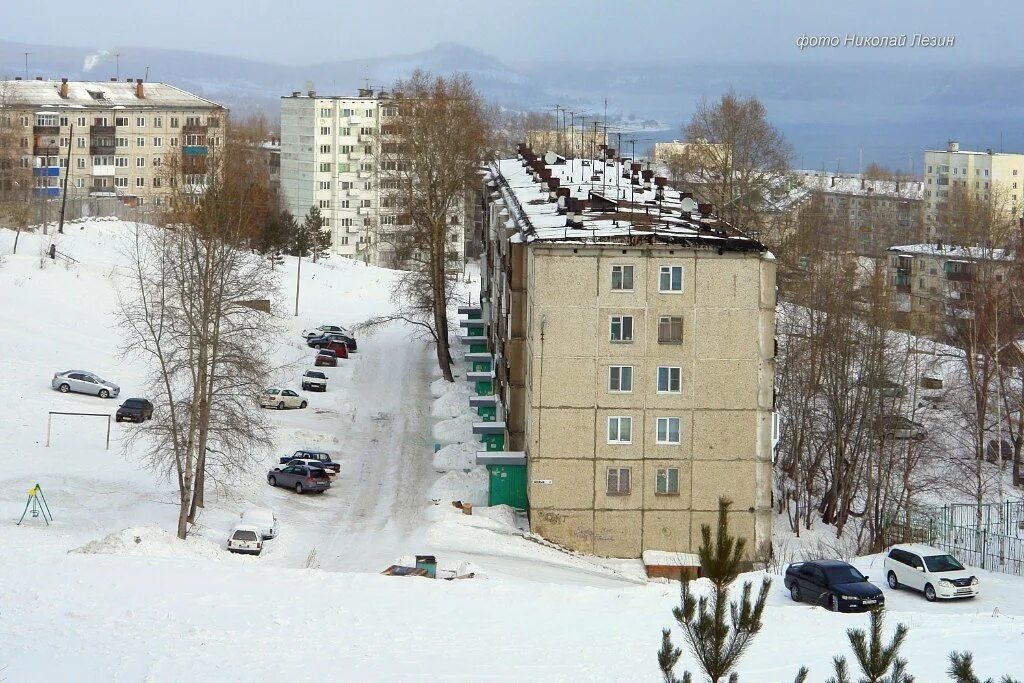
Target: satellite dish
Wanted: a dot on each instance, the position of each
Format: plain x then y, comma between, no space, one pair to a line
550,158
688,205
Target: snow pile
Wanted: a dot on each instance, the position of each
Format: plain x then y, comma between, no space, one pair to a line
503,514
469,487
453,400
456,430
151,542
456,456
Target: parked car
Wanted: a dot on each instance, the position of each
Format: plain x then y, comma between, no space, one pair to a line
134,410
246,539
302,478
322,341
326,357
934,572
323,329
832,583
276,397
900,427
314,380
83,382
263,519
339,347
321,459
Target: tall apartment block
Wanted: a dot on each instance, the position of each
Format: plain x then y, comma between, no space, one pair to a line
330,147
623,358
980,173
116,134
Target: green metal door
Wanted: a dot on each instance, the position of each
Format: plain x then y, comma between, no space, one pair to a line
481,366
484,387
507,485
493,442
478,348
487,413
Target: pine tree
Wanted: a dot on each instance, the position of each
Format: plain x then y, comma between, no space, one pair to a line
961,668
317,238
874,658
717,631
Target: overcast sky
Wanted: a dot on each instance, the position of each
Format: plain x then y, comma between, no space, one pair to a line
523,32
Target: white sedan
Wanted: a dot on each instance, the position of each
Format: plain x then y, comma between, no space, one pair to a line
325,329
276,397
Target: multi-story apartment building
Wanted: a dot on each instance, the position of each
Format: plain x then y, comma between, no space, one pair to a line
331,157
628,338
986,175
863,214
933,281
116,135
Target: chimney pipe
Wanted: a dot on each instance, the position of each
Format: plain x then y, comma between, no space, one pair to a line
64,88
139,91
39,78
113,80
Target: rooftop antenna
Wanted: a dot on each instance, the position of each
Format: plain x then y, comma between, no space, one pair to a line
26,64
146,77
117,65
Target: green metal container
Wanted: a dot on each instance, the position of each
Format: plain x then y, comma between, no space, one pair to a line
493,442
484,388
487,413
481,366
479,348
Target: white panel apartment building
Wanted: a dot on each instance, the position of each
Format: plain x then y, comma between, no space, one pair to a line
329,150
118,133
978,172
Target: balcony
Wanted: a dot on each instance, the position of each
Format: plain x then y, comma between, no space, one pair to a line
102,148
102,130
366,138
365,210
45,150
46,130
103,171
356,154
353,192
195,150
194,129
46,171
365,175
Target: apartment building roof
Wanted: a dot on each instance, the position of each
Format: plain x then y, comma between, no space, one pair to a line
954,252
133,94
561,201
857,185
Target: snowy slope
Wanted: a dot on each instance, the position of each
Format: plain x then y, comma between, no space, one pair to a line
132,603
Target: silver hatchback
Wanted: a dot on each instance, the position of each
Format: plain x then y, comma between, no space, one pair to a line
82,382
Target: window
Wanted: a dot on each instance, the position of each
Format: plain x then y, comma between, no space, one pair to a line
174,142
620,378
325,167
666,481
325,130
63,142
121,142
618,481
325,149
343,240
622,328
120,120
157,182
140,162
140,182
64,123
140,122
174,122
670,329
157,161
325,203
325,112
81,143
158,122
158,142
81,122
344,204
80,162
140,142
325,184
620,430
670,279
120,182
345,131
668,430
79,183
669,380
622,278
121,162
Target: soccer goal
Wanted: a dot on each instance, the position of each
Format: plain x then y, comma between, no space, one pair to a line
49,423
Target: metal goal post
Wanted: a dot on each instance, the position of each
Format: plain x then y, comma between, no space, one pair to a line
49,423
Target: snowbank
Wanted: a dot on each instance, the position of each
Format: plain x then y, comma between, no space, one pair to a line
469,487
456,430
151,542
457,456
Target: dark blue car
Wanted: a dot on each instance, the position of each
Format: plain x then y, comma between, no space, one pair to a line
833,584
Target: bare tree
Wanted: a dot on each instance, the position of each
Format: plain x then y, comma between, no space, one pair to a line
733,157
15,167
429,153
189,311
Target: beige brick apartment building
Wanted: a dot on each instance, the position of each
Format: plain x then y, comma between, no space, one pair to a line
118,135
632,335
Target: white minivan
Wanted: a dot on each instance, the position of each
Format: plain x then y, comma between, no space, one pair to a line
934,572
263,519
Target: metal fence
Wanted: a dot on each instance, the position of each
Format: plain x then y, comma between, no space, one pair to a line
989,536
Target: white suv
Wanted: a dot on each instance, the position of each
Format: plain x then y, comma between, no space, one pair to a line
934,572
246,539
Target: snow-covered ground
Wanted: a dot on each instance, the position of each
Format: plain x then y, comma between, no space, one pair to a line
107,593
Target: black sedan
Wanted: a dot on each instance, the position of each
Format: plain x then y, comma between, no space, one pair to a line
323,459
324,339
134,410
833,584
299,477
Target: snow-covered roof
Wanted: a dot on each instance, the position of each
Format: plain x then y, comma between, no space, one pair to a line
103,95
954,252
857,185
612,209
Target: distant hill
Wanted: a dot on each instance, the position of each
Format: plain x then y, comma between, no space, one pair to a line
835,115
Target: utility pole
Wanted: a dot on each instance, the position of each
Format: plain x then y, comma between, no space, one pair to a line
26,64
67,172
298,271
117,65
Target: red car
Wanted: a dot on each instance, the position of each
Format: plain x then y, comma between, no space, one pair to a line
338,346
325,357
